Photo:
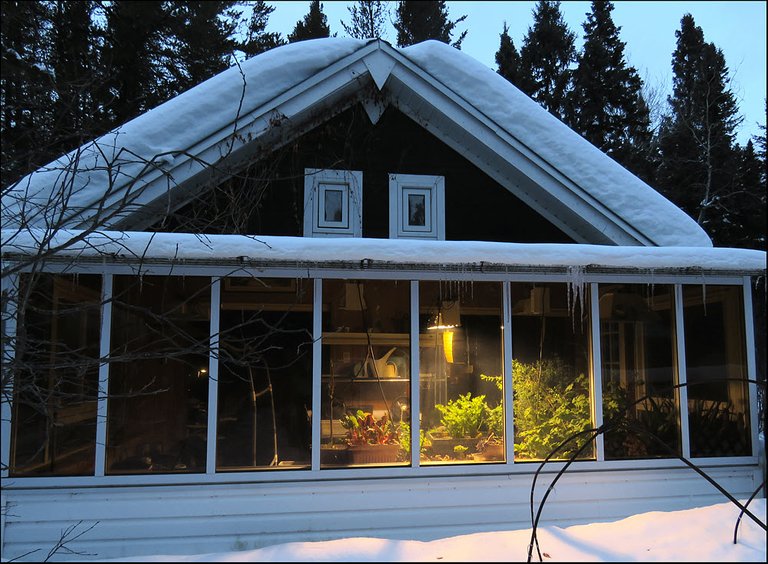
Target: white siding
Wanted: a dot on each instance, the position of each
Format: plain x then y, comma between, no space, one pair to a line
202,518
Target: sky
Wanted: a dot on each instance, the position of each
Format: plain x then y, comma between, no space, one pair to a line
648,29
704,534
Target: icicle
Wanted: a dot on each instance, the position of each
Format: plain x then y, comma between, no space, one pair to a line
576,289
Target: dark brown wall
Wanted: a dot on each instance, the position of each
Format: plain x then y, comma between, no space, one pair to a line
270,193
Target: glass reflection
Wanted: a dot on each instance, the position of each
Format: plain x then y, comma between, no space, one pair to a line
716,369
461,369
639,370
550,371
366,398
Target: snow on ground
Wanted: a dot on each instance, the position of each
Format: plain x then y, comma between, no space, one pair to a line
704,534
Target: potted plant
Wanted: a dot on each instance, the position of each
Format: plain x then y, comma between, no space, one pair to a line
492,446
462,423
370,440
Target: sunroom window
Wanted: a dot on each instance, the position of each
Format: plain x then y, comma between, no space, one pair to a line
550,372
54,430
265,374
158,409
639,370
366,398
461,369
158,379
716,369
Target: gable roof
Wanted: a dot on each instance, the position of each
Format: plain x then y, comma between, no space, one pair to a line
207,132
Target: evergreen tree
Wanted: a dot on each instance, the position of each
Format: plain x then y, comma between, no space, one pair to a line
419,21
545,58
747,218
258,39
74,63
507,58
313,26
201,41
606,105
134,57
26,87
698,163
368,19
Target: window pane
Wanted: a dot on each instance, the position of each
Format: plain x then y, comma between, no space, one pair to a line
158,379
333,205
461,365
416,210
718,398
550,371
366,373
637,332
265,374
56,388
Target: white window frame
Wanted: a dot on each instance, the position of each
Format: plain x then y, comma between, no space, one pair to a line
432,188
415,470
317,183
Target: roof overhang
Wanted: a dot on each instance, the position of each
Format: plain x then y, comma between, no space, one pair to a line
299,256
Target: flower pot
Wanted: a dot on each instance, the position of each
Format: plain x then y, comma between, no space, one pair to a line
334,455
490,452
445,446
373,454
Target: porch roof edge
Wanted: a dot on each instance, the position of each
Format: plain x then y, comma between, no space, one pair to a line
122,247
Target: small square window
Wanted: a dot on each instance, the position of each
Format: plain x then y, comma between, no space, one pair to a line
416,206
333,203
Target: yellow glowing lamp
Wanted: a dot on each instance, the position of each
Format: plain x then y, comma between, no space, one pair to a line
448,346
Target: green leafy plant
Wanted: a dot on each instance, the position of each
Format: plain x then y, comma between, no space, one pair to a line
465,416
364,429
495,415
550,406
404,439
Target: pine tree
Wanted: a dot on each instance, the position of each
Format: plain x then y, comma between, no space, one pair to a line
746,227
368,19
419,21
545,58
606,105
313,26
202,40
75,67
134,56
698,161
258,39
507,58
26,87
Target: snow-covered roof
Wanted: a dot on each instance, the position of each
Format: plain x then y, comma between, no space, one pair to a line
139,248
471,107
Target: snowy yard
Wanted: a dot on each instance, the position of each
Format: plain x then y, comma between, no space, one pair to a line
696,535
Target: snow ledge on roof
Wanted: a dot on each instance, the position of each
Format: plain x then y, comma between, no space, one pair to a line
235,249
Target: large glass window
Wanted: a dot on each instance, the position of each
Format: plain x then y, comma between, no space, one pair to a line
461,370
550,371
57,375
158,379
265,373
637,331
716,368
365,373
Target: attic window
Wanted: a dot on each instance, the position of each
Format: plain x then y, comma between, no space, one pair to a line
333,203
416,206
